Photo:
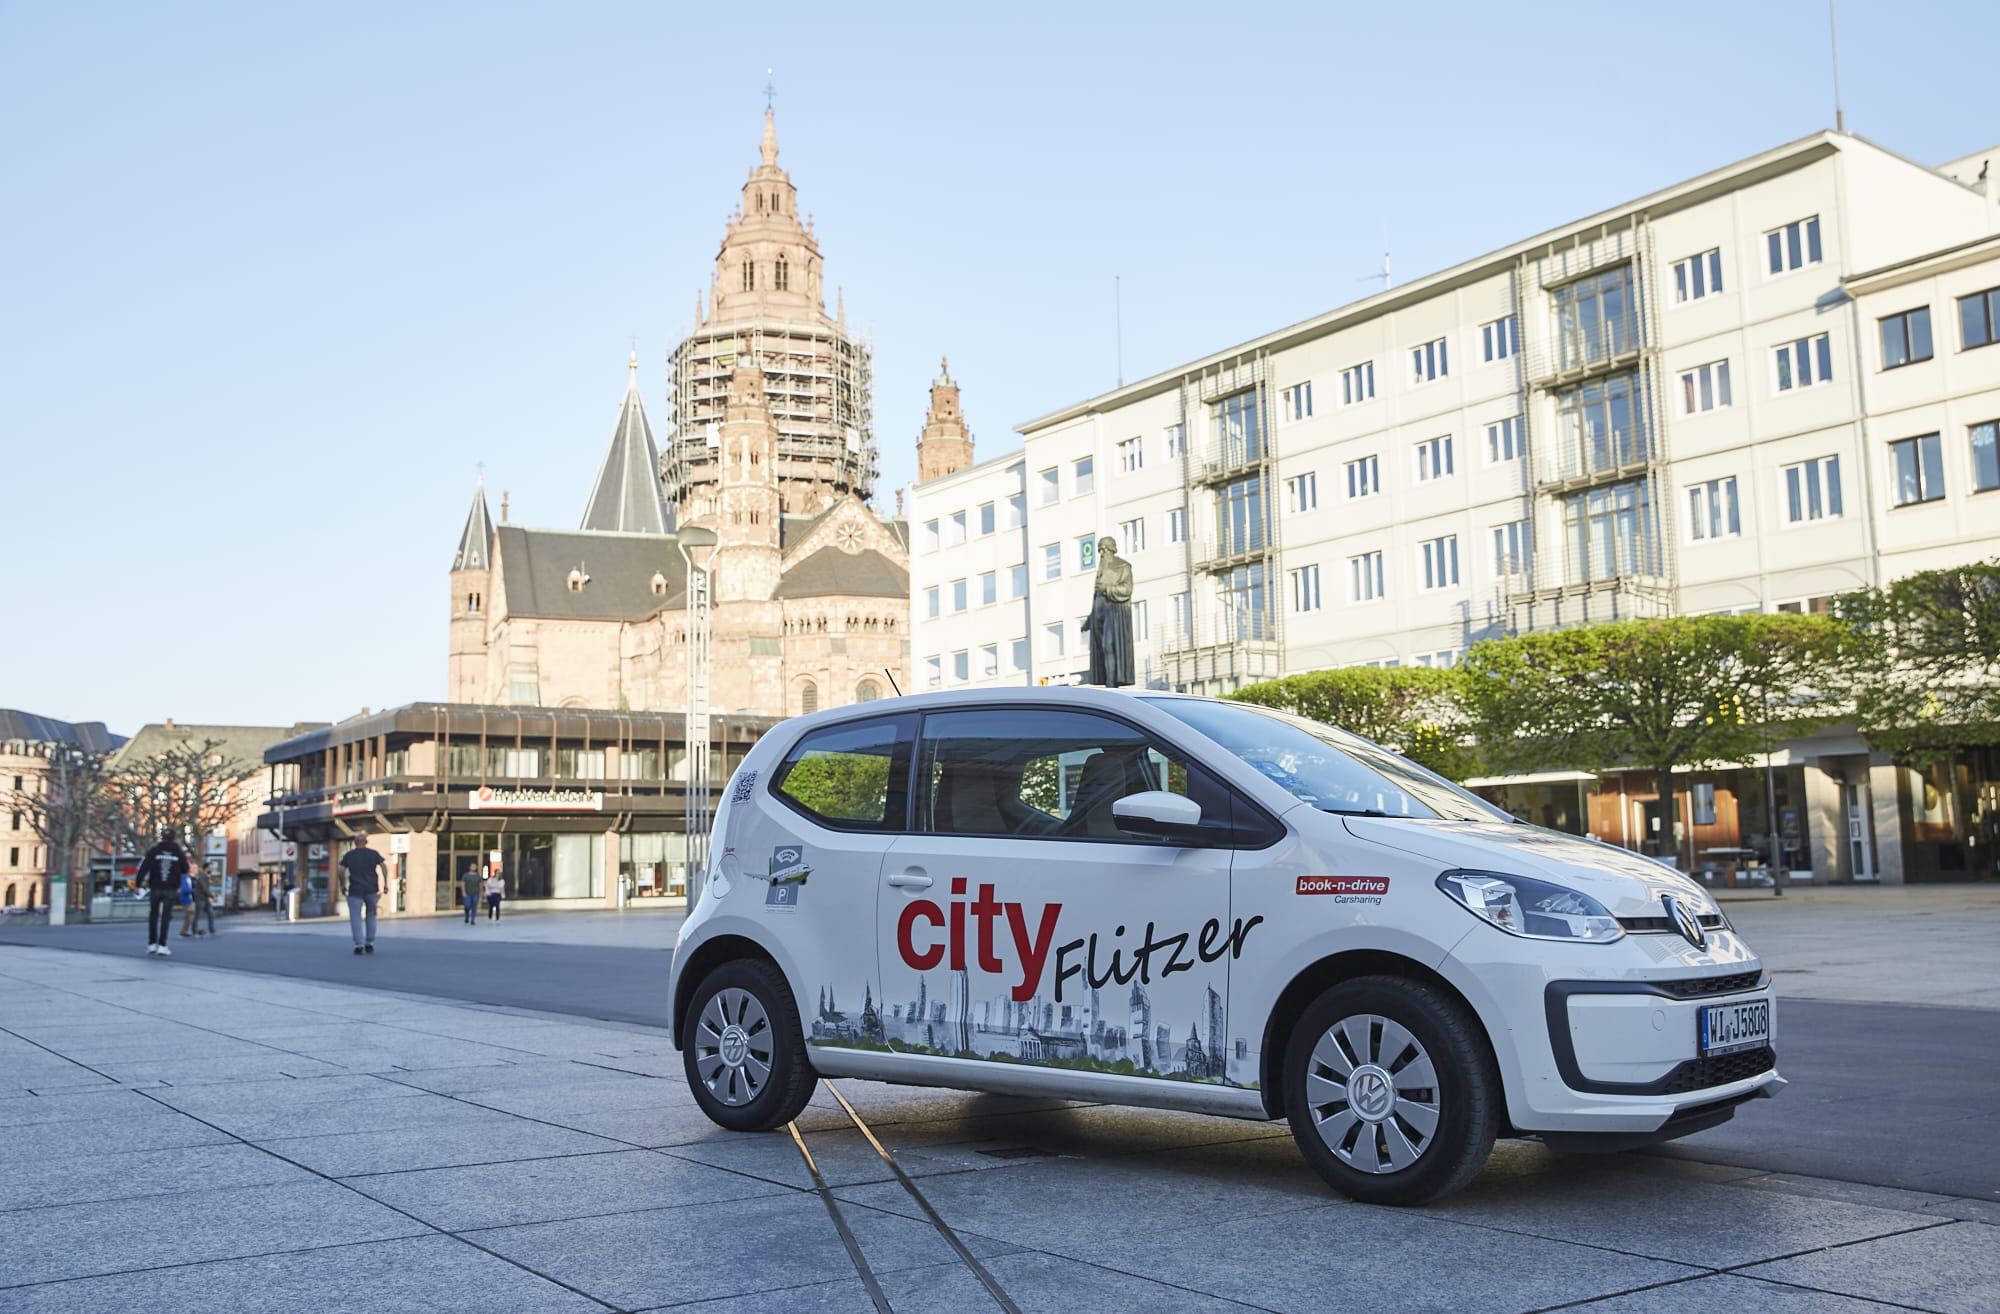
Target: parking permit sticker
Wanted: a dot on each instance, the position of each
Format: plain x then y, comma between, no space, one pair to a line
788,865
781,896
1346,889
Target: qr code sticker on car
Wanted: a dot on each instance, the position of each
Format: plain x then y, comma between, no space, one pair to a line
744,781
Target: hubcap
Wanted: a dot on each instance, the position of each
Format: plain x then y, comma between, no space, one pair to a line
1373,1094
732,1046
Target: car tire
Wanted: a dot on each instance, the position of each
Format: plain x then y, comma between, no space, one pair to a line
1391,1090
744,1053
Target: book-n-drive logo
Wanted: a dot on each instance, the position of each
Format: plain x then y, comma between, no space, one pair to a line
1348,889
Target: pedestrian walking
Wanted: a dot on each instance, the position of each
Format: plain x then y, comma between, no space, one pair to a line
199,903
468,891
495,887
161,871
361,871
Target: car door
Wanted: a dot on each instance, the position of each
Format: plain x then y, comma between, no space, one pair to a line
1017,924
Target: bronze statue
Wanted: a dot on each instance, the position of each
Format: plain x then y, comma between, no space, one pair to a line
1110,623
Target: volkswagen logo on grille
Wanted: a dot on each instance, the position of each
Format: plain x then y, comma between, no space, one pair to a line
1685,921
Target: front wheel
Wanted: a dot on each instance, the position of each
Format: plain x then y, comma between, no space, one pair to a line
1391,1091
744,1053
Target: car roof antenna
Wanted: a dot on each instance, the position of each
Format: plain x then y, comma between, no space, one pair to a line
892,681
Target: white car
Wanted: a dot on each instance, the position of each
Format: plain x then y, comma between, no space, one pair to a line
1154,899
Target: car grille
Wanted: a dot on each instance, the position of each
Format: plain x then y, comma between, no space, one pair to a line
1718,1070
1657,925
1697,986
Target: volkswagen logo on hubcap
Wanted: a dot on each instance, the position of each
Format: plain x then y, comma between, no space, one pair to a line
1371,1094
735,1046
1685,921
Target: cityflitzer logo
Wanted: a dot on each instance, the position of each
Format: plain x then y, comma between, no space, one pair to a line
1370,885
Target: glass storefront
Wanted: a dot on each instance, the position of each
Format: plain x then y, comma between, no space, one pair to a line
1952,817
653,866
530,865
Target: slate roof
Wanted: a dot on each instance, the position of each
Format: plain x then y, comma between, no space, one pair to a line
475,544
239,743
830,571
536,564
626,498
90,735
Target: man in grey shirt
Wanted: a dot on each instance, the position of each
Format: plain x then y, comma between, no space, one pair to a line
361,870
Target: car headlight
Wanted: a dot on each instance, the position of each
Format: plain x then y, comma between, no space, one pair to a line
1538,910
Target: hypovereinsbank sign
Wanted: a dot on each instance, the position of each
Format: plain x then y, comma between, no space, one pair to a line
488,799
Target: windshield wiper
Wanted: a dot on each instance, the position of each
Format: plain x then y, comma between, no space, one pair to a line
1357,812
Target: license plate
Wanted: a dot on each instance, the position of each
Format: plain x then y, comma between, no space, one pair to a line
1726,1028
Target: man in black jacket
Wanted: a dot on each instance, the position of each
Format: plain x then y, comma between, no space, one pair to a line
361,869
161,871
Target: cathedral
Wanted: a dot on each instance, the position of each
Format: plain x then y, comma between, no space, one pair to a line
764,486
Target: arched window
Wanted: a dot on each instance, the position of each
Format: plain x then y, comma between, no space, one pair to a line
808,698
868,692
749,276
781,275
11,892
472,602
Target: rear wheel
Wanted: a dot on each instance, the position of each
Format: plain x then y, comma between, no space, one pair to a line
1391,1091
744,1053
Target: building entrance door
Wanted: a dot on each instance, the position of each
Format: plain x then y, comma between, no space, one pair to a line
1860,848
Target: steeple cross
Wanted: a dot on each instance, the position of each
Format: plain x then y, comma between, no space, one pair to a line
770,91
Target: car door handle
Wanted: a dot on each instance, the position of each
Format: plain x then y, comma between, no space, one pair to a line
910,880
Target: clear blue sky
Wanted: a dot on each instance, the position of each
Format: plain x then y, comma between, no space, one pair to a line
277,278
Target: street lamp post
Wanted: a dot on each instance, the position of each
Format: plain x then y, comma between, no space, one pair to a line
697,807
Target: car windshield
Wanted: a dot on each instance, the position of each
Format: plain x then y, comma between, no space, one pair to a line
1331,769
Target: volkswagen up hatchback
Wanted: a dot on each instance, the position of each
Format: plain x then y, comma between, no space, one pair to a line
1162,900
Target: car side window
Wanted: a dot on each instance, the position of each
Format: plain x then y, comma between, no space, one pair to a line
851,776
1028,772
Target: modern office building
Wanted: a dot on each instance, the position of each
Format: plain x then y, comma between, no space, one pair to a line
1752,390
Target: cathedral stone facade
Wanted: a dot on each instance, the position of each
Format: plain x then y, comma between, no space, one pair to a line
771,455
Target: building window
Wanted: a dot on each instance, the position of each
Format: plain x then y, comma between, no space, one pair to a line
1240,516
1510,549
1049,487
1052,561
1440,562
1596,318
932,606
1242,599
1017,651
1906,338
1698,276
472,602
1434,459
867,692
1142,628
1428,362
1302,493
1985,456
986,519
781,279
749,276
1357,383
1296,402
1610,533
1979,319
1600,426
1176,441
1505,441
1177,525
929,541
1705,388
808,694
958,595
1438,660
1017,580
1364,577
1500,339
1305,588
1803,364
1017,510
989,588
1701,802
1820,606
989,661
1084,477
933,672
1792,247
1364,477
1812,490
1919,466
961,666
1132,535
1238,441
1052,639
1086,552
1712,511
954,532
1131,455
1183,609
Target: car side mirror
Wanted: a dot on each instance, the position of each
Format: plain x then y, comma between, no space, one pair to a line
1159,815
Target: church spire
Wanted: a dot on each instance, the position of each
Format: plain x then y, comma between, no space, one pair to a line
769,146
475,544
626,498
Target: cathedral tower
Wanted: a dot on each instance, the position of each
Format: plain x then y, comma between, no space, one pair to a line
766,301
471,577
945,446
747,504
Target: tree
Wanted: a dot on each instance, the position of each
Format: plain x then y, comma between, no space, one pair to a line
1690,691
68,803
189,788
1413,710
1927,675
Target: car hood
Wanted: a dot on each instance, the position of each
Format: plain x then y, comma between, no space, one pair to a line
1625,883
